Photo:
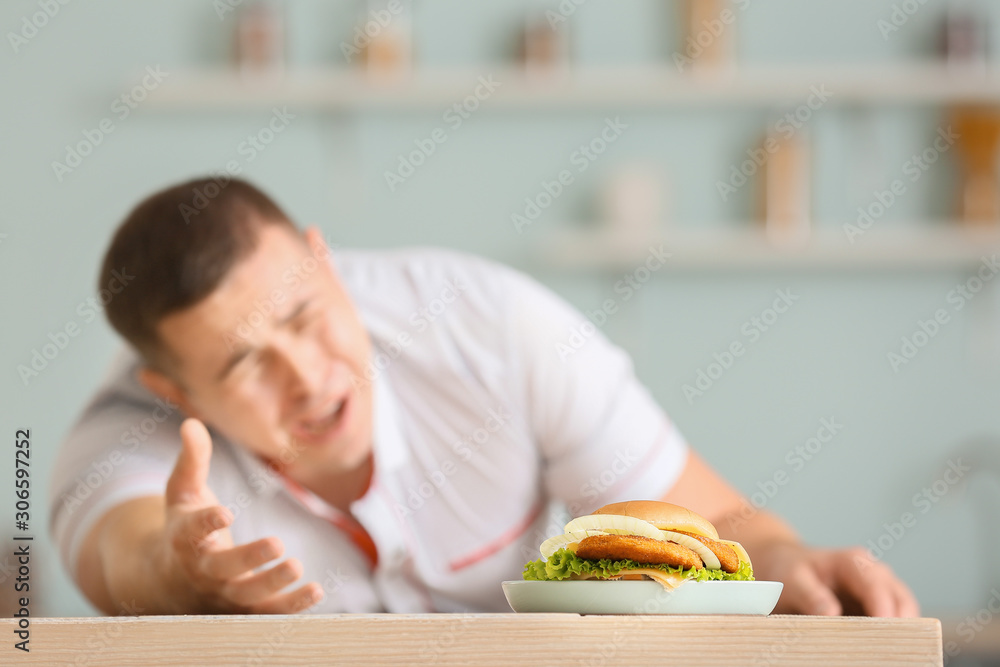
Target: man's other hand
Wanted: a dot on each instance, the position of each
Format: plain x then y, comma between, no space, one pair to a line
830,582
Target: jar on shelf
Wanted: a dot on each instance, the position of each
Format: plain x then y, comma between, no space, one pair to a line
259,44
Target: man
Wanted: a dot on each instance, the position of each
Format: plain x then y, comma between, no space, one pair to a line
399,424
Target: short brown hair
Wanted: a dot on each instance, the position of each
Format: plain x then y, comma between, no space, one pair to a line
179,244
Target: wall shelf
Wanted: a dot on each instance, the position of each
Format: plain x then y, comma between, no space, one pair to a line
746,248
347,89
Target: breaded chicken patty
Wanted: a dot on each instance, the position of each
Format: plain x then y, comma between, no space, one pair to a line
638,548
725,553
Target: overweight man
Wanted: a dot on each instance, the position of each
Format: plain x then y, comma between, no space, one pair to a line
291,430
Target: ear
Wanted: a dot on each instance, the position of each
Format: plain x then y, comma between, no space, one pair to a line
317,244
168,389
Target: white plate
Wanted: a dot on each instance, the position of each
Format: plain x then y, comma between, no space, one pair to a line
643,597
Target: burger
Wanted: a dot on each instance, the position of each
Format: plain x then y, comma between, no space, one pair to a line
641,539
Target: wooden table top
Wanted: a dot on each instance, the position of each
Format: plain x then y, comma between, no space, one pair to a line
476,639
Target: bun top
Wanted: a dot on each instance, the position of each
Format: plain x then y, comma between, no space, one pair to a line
665,516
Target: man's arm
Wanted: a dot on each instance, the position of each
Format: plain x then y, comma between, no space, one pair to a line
172,554
584,401
817,581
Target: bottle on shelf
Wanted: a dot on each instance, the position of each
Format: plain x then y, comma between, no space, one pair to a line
709,34
978,140
786,188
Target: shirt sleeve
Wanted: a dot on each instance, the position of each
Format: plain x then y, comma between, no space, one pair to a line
123,446
601,436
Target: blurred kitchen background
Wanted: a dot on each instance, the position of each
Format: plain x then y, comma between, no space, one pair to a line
772,146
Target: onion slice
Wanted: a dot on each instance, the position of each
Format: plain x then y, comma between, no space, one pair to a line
554,544
740,551
615,525
710,559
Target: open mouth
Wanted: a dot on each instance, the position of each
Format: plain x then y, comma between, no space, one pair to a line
326,424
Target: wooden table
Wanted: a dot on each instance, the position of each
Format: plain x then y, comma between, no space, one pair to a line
535,640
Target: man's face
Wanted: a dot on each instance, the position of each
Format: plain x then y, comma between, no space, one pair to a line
271,358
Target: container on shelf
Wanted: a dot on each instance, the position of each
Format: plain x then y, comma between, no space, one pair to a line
543,46
709,34
387,53
786,188
259,41
978,140
632,200
965,37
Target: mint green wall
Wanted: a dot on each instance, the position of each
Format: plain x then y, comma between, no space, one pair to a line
825,358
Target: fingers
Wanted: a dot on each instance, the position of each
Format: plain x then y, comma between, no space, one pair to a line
189,480
291,603
196,530
871,582
906,603
807,594
259,592
253,588
238,561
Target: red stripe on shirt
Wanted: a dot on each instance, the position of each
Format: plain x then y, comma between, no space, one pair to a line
347,524
498,544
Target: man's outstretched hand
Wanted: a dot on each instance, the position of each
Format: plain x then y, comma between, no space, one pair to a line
830,582
213,575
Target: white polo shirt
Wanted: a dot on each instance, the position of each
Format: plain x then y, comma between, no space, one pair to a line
491,428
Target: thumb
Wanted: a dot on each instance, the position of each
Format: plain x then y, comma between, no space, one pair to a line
807,594
189,480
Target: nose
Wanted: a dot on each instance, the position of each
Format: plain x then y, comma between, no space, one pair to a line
303,361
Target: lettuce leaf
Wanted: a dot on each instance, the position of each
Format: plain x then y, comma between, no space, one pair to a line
564,564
